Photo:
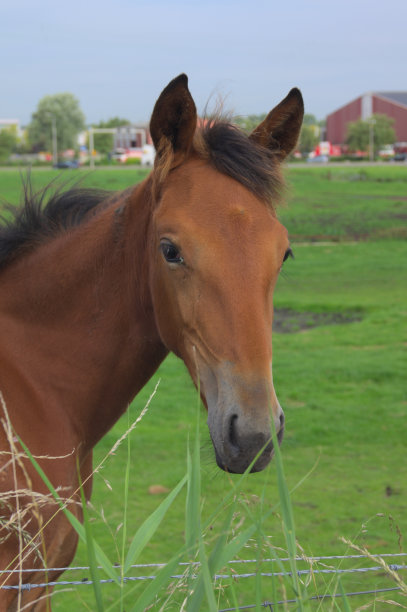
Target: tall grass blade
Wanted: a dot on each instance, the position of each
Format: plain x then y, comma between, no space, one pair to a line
193,499
93,567
76,524
288,521
346,605
207,581
125,506
150,526
193,532
224,553
258,572
151,591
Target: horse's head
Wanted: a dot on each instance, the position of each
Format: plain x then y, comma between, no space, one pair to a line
217,252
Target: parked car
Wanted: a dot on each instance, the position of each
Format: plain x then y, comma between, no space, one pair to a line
68,163
319,159
387,152
148,155
400,157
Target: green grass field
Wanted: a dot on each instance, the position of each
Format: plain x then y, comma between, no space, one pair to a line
342,386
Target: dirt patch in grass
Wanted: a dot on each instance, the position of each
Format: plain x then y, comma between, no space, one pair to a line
287,321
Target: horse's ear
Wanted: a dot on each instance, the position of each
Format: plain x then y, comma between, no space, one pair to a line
174,118
281,128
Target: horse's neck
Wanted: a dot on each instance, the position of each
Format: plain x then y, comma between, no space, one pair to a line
87,341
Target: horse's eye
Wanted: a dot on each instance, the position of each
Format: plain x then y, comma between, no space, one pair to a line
288,254
171,252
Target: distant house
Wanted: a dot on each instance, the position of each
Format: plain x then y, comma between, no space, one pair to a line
132,136
390,103
136,135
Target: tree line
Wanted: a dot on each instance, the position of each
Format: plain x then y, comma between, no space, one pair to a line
377,130
59,116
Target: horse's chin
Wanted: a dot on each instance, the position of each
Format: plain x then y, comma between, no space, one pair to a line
240,467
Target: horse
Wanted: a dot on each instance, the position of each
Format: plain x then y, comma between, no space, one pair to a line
97,288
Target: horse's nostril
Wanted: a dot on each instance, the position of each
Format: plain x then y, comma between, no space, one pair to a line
232,431
280,432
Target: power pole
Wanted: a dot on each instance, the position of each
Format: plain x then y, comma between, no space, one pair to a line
54,138
372,122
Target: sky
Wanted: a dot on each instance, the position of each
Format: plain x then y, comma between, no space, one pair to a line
116,56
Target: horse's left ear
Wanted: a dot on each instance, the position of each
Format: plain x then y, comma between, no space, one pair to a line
174,118
281,128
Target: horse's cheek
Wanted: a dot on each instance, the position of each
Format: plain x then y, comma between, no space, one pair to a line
173,309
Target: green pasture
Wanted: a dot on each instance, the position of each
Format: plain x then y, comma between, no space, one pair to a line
347,203
342,386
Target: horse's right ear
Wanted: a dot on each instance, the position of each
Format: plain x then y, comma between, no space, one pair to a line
174,119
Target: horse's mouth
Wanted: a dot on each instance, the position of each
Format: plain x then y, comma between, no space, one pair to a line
241,466
240,463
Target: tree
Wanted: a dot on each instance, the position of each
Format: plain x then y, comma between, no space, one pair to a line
383,131
309,119
69,120
359,132
309,138
104,142
8,143
357,135
250,122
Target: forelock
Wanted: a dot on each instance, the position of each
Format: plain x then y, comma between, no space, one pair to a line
233,153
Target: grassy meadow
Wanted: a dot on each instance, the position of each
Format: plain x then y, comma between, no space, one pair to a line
340,373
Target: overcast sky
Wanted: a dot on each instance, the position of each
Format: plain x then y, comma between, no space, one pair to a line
116,56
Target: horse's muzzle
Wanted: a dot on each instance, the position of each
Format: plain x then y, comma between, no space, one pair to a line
241,441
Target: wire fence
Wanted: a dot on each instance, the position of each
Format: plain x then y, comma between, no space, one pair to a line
395,567
271,604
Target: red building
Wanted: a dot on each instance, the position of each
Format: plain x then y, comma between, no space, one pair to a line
390,103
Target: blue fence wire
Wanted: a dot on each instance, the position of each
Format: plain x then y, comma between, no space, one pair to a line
271,604
267,604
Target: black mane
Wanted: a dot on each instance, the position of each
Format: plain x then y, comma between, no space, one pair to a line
235,154
43,215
